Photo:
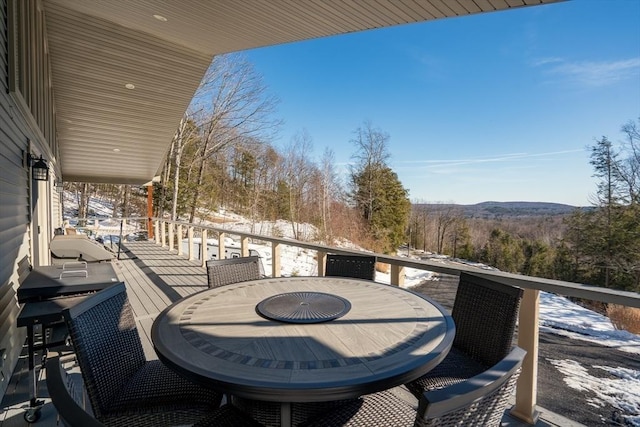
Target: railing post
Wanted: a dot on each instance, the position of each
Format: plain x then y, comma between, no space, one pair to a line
221,250
322,261
179,236
190,243
162,234
397,275
157,233
527,387
244,246
151,228
275,259
171,236
203,248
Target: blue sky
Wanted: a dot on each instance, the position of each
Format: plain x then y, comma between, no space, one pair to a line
499,106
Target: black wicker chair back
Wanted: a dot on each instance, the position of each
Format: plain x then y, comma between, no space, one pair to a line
222,272
356,266
106,342
118,379
485,313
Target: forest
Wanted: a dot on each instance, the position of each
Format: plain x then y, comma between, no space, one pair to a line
222,156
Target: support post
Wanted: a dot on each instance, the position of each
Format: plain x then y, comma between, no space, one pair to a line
221,249
527,387
150,211
203,248
322,262
397,275
171,236
157,226
244,245
179,236
275,259
163,235
190,243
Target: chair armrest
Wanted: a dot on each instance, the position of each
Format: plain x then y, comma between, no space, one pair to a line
70,412
443,401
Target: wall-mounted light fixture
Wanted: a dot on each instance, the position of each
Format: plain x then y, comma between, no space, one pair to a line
59,186
39,168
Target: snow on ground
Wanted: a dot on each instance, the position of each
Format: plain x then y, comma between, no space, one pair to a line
622,391
560,316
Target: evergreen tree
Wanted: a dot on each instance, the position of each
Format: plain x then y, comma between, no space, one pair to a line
388,211
377,193
606,240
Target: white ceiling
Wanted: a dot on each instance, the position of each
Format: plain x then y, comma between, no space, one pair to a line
98,46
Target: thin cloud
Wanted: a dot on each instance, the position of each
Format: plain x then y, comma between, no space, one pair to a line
494,159
545,61
594,74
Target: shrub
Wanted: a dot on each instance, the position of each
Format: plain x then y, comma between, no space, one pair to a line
623,317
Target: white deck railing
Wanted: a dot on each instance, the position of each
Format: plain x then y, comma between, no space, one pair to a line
164,232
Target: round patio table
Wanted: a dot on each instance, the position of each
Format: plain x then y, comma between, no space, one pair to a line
303,339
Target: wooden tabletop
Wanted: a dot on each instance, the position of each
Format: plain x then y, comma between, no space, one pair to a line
389,336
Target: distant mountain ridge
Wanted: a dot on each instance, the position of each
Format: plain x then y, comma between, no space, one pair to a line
506,209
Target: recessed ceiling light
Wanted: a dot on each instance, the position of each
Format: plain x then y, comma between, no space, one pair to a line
117,150
130,86
160,18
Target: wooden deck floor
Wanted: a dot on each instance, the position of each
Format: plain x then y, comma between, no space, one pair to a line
155,278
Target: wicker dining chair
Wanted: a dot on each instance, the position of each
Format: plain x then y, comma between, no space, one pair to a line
269,413
477,401
118,379
67,396
357,266
222,272
485,314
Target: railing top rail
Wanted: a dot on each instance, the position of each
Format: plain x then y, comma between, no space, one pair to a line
578,290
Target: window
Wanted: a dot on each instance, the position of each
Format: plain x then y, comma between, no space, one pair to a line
29,69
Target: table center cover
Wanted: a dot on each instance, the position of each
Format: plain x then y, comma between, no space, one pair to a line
303,307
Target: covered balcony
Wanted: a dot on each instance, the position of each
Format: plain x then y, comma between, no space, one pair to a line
162,270
96,89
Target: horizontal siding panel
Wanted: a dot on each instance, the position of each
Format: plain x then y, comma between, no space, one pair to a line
8,223
12,239
4,57
7,305
13,208
12,183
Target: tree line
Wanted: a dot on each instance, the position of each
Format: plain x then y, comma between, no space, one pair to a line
599,245
222,156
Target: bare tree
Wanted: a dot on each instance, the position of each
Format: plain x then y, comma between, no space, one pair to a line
185,134
117,200
328,192
629,169
446,217
371,154
232,105
83,205
299,171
